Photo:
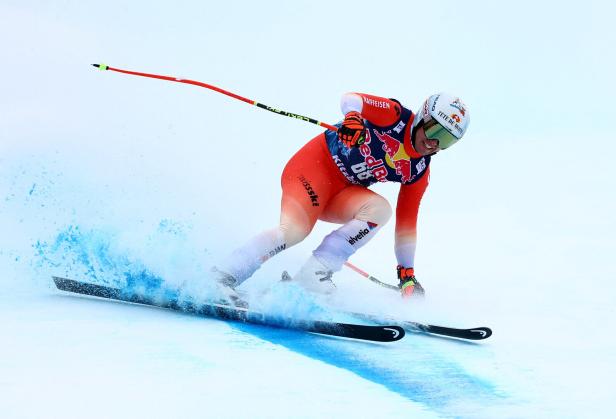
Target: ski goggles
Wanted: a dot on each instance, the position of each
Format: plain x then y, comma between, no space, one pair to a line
435,131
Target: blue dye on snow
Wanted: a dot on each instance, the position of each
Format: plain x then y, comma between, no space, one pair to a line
432,380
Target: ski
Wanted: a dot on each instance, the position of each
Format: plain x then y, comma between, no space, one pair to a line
384,333
476,333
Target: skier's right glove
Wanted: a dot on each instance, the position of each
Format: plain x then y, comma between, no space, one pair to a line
409,286
351,133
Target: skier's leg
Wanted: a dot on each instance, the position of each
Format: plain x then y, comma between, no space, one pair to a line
309,181
362,213
246,259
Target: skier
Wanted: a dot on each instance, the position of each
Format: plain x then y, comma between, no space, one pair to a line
379,140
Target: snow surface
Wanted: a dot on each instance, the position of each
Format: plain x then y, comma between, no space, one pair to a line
112,178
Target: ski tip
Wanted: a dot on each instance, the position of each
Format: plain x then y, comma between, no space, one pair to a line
58,280
396,332
63,284
479,333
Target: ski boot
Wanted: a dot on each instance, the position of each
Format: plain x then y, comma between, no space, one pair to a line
315,277
225,284
409,286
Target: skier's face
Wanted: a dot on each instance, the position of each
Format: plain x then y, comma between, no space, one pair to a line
424,145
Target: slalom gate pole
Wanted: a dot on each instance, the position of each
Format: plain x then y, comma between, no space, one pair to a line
105,67
370,277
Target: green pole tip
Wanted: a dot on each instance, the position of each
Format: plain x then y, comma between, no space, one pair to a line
101,67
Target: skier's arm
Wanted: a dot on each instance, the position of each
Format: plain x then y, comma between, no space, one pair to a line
379,111
407,210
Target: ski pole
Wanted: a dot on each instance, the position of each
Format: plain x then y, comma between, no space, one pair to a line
105,67
370,277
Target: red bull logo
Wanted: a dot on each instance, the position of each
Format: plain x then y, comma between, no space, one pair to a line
403,169
396,157
374,165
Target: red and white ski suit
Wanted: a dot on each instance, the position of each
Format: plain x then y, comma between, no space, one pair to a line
326,181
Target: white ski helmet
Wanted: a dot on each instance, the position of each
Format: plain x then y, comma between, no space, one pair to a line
444,118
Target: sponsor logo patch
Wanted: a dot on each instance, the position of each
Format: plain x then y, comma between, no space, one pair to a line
314,198
421,165
273,252
354,239
398,128
377,103
459,106
396,156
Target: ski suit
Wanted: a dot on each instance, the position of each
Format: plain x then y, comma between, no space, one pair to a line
327,181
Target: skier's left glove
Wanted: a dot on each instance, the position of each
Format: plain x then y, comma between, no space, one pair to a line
351,133
409,286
